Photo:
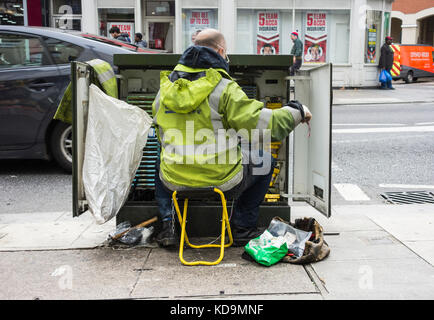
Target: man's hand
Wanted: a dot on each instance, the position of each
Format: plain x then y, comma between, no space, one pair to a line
307,115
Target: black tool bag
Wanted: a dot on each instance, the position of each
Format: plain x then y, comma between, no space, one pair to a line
316,249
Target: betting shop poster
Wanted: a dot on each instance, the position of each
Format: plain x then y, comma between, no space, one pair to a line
124,27
268,32
315,37
199,20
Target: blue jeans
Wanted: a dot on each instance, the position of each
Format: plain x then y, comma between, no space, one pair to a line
248,194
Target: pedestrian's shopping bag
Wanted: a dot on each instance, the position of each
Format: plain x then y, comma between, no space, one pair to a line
267,249
115,137
383,76
388,76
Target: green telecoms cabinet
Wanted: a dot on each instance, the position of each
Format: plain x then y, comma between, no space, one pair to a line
303,171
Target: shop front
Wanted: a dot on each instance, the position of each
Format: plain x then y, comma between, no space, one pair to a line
348,34
23,12
155,20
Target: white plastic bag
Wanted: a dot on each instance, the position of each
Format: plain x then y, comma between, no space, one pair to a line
295,238
116,135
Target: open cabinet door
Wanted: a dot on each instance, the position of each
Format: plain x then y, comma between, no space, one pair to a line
80,77
312,154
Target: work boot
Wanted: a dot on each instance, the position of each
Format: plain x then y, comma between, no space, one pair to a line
243,235
167,235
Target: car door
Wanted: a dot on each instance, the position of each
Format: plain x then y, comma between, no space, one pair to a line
28,89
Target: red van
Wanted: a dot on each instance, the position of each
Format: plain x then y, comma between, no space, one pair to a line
412,62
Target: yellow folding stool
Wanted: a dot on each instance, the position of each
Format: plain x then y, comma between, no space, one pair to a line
184,237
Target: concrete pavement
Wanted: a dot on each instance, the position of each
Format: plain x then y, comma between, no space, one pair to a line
377,252
403,94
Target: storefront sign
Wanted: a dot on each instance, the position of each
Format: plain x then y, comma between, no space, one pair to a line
124,27
372,46
198,20
315,37
268,32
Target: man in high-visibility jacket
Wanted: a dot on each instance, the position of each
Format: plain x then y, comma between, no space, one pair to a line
198,114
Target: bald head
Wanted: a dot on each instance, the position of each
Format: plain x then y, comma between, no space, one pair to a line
213,39
210,38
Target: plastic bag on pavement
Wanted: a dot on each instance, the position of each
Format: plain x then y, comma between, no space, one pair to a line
298,237
136,236
131,237
267,249
116,135
146,237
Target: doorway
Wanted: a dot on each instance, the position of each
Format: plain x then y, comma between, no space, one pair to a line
160,35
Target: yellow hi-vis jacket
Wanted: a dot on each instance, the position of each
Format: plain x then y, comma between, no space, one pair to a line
196,122
106,79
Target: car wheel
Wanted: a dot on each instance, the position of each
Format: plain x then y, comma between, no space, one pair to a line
409,78
61,145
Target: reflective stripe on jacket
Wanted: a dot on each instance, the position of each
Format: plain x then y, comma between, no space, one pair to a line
193,119
107,81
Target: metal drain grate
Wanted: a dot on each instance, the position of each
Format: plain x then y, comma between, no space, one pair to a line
409,197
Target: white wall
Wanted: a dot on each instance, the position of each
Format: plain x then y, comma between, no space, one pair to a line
89,20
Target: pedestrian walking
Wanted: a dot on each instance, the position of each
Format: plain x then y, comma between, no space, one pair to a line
386,62
138,40
115,32
297,53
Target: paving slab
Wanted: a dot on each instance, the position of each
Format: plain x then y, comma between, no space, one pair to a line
40,236
343,218
406,222
424,249
13,218
45,231
406,279
413,225
294,296
369,245
70,274
165,277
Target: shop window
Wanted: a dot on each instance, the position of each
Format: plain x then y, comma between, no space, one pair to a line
62,52
324,34
12,13
160,36
160,8
260,31
67,7
372,36
67,23
194,20
21,51
122,18
66,14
